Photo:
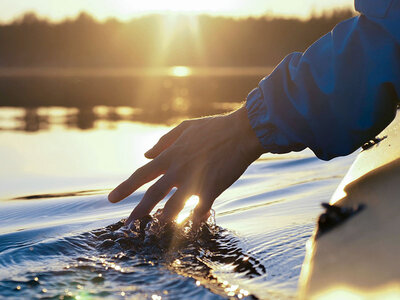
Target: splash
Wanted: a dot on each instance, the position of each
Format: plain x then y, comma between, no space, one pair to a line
119,261
188,249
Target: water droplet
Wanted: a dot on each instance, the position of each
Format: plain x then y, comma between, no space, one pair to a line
177,262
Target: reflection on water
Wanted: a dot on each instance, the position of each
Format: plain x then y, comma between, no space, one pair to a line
101,117
117,261
34,99
66,247
60,237
180,89
178,71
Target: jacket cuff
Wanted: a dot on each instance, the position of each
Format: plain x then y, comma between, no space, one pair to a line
256,111
270,137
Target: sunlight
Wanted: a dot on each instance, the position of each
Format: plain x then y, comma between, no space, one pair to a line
171,27
127,9
177,5
390,291
189,205
180,71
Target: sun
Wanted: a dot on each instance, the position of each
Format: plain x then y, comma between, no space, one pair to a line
180,71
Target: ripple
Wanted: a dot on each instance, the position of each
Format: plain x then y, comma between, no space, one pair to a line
120,261
62,195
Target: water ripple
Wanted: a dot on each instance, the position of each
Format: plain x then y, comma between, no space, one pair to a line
119,261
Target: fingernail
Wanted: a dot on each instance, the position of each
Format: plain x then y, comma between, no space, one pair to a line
110,198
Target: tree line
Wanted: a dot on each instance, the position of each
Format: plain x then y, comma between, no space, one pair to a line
158,40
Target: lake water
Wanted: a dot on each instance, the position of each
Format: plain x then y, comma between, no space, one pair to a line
61,239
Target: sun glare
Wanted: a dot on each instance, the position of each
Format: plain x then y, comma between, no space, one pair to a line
177,5
180,71
127,9
189,205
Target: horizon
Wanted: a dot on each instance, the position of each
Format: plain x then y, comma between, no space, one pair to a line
32,16
125,10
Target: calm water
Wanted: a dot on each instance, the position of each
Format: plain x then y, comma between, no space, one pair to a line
61,239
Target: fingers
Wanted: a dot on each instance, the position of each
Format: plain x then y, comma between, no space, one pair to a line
152,196
175,204
201,213
202,210
167,140
144,174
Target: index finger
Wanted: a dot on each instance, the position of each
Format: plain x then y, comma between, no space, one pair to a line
144,174
167,140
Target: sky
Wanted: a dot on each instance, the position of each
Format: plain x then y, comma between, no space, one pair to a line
127,9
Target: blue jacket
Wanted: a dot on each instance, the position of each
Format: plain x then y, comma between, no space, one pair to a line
338,94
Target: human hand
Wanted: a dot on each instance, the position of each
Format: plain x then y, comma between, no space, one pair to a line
200,157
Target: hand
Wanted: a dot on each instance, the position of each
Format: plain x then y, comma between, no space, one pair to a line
199,157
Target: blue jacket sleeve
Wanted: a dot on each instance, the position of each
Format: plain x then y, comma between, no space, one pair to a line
338,94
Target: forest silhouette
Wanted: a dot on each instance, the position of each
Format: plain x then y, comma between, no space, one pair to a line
83,63
192,40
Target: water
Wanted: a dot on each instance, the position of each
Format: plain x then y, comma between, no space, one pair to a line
61,239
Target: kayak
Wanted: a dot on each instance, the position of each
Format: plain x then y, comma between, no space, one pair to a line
354,252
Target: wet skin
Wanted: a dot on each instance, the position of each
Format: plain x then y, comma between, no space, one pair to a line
199,157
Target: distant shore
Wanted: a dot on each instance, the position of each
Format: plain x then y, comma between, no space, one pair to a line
172,71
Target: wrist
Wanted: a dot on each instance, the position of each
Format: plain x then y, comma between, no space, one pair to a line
246,133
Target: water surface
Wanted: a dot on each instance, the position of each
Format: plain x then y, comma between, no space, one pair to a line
60,238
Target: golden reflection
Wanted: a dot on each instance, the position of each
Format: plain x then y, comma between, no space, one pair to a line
180,104
180,71
233,290
126,110
390,291
119,151
189,205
